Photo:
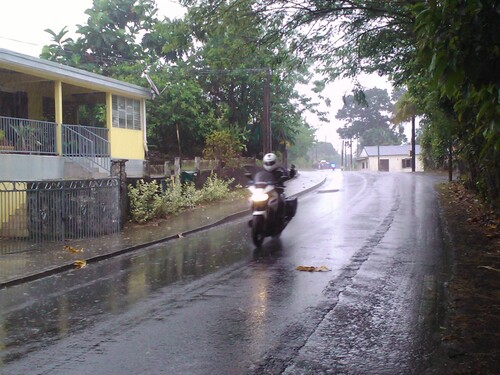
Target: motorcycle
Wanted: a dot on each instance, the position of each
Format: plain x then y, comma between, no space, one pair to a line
271,209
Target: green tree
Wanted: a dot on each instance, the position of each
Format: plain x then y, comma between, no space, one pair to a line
110,38
369,122
232,68
112,34
181,117
223,145
61,50
459,43
406,110
299,151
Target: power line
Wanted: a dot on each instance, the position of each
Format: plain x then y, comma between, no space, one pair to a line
19,41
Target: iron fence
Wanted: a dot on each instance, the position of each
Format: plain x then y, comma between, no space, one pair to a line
35,212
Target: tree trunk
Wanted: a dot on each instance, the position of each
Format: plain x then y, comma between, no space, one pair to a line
450,162
178,140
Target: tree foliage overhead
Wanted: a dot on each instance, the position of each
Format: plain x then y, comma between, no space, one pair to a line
348,37
445,52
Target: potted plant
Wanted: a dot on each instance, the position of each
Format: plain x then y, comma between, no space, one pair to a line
4,144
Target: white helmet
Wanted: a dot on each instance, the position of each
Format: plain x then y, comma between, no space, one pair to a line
270,162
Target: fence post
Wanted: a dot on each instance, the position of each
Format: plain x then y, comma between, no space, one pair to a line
177,167
166,169
118,170
145,169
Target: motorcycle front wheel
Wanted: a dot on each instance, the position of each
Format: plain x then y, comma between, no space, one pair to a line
258,230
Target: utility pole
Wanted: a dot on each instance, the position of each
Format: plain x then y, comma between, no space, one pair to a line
342,156
267,143
413,143
378,156
350,144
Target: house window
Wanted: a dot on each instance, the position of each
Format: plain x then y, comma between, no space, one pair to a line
126,113
406,163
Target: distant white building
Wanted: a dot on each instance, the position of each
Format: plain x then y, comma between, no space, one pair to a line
389,158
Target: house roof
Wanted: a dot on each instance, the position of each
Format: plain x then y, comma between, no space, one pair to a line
403,150
67,74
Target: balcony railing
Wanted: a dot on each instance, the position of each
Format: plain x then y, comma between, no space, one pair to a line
85,145
25,136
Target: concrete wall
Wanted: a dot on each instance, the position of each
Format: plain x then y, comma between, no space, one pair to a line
134,168
16,167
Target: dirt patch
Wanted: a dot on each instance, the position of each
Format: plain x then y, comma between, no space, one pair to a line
470,334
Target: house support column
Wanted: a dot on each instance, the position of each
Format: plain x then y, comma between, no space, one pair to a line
58,115
109,120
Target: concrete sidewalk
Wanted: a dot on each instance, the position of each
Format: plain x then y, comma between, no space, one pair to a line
50,258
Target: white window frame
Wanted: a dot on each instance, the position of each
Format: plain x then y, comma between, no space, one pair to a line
126,113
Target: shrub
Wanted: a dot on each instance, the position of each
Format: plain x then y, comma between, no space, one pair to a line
215,188
145,201
180,197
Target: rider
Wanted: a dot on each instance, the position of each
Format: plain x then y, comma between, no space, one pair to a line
270,162
280,174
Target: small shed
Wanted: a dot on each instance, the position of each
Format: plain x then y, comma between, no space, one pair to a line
389,158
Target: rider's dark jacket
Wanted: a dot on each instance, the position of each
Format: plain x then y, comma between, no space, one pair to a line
281,175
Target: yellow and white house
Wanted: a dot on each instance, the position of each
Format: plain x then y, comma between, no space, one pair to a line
43,134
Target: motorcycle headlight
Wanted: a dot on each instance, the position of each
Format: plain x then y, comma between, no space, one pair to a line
259,196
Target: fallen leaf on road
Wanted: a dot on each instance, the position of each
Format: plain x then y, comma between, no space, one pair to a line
80,264
312,269
72,249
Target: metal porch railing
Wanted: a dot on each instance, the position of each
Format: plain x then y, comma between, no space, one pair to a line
23,136
88,146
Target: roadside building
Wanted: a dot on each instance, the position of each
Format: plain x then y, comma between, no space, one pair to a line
389,158
43,128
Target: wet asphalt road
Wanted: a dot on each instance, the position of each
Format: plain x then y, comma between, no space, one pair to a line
212,304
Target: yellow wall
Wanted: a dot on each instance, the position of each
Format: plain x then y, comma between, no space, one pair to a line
35,110
126,143
10,202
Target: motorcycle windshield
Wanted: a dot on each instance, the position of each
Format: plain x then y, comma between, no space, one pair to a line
264,178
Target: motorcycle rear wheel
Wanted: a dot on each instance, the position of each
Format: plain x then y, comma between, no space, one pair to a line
258,230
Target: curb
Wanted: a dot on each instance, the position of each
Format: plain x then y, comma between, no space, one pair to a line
70,266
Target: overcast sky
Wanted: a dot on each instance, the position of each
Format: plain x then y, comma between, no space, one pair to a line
22,22
22,25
